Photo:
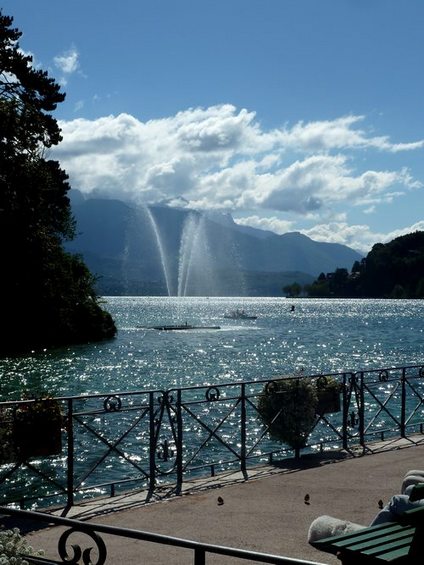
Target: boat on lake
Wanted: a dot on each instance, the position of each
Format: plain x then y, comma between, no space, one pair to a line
239,315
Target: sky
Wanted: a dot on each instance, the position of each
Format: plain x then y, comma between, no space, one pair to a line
292,115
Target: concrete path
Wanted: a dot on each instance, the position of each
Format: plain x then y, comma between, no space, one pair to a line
267,513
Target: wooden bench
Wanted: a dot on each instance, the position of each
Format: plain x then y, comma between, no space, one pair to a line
398,543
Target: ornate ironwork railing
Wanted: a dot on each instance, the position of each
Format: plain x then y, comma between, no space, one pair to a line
155,441
93,548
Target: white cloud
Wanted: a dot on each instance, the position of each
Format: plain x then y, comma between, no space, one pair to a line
339,134
270,224
215,130
320,181
221,158
79,105
359,237
67,62
418,226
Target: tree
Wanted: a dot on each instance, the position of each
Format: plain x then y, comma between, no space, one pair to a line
47,295
391,270
338,282
420,289
292,290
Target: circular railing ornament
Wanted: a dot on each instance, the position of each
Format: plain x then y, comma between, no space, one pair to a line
78,553
212,394
112,403
271,387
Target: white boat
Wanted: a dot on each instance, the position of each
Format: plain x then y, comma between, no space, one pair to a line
239,315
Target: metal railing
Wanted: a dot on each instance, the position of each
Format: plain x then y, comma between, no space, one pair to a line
71,551
157,441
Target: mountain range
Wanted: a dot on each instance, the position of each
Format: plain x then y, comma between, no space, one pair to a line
163,250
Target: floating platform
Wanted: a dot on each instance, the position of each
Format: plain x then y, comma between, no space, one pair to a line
175,327
186,327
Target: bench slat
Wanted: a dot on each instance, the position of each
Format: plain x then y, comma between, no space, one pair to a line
380,541
385,549
325,544
399,545
393,542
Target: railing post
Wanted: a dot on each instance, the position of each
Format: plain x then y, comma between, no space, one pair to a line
70,469
179,444
243,431
152,443
403,404
345,413
361,412
199,556
297,448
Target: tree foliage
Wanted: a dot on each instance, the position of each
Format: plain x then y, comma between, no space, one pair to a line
391,270
47,295
292,290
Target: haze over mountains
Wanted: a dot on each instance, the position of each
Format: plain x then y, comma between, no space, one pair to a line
164,250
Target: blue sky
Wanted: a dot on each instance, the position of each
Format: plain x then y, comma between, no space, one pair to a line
293,115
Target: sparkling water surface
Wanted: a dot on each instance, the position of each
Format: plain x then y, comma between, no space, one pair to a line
318,336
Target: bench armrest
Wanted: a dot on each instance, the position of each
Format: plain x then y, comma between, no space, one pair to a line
417,492
413,517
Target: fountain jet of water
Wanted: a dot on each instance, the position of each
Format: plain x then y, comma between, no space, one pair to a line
185,254
195,240
161,249
196,272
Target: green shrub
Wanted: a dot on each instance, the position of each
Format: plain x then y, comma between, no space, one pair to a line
33,429
328,393
37,428
287,407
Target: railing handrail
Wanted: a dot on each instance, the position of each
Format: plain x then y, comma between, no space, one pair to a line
221,385
200,549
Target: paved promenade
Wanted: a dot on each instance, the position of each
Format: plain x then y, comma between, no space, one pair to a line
267,513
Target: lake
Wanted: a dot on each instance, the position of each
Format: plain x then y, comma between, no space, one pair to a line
114,437
318,336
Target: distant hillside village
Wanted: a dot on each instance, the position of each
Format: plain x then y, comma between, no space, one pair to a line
392,270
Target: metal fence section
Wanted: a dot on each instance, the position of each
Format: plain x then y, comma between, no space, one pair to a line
81,542
108,443
155,441
388,403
